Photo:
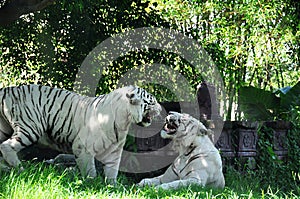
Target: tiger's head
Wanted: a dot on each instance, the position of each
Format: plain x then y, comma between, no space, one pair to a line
144,106
183,129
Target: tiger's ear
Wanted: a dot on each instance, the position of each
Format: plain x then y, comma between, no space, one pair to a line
133,99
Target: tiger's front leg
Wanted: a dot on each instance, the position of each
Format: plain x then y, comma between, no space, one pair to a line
84,160
168,176
112,159
111,173
193,178
86,164
111,166
180,183
150,182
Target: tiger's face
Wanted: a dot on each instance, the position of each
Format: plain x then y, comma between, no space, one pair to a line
175,124
182,128
144,106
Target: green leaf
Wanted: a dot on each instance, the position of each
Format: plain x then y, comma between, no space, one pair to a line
258,104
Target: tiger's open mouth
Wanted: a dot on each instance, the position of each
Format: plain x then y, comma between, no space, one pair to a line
146,121
147,118
170,128
150,115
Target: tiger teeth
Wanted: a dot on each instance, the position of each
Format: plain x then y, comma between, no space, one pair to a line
168,129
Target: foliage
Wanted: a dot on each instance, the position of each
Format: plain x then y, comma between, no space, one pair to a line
18,63
258,104
44,181
254,43
52,44
270,168
60,37
262,105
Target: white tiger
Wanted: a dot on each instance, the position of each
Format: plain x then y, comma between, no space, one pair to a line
88,127
199,162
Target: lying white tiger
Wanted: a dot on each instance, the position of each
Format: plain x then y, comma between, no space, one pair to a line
88,127
199,162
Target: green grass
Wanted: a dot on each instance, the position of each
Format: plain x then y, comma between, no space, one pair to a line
44,181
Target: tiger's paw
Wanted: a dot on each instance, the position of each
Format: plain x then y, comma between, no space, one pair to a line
111,181
162,186
145,182
4,168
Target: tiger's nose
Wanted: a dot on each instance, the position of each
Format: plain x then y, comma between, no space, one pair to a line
170,118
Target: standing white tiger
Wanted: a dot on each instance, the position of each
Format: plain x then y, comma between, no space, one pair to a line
88,127
199,162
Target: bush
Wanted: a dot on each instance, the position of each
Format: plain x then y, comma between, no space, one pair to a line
282,174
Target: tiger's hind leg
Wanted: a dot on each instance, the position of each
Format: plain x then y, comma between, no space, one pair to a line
5,133
9,148
5,130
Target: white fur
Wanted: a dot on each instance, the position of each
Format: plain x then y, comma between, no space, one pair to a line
198,163
88,127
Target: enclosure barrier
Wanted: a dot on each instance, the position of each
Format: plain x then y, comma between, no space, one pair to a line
238,139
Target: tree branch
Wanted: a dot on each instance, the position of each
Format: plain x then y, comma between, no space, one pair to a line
13,9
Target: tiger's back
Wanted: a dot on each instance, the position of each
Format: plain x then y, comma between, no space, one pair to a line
43,114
